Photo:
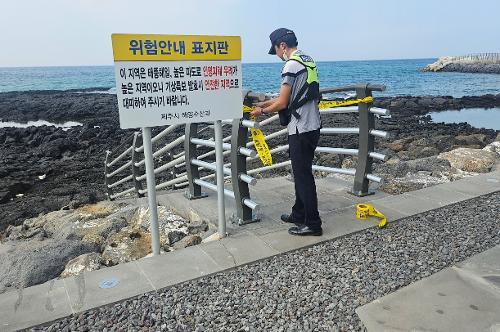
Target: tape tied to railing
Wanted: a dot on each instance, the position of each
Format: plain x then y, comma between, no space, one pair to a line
258,137
339,103
259,141
364,211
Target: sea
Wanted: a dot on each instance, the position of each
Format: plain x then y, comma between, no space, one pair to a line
401,78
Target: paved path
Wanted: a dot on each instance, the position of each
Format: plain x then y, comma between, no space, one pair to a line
250,243
464,297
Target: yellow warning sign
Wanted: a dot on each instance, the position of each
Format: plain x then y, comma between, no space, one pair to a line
150,47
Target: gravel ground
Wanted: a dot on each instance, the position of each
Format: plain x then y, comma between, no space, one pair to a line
313,289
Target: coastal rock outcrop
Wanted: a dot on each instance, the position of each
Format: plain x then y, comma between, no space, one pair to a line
449,160
420,105
125,246
188,241
54,168
85,262
493,147
470,160
67,242
400,176
31,262
407,175
481,63
411,182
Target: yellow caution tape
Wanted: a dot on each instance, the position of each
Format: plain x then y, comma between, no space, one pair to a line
333,103
260,143
364,211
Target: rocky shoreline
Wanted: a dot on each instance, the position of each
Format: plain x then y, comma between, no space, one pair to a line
420,105
44,169
65,243
51,174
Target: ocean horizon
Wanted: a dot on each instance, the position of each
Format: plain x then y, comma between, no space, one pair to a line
401,77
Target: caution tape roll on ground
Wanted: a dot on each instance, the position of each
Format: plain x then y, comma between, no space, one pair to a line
364,211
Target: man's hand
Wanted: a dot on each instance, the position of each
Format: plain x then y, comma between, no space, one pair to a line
256,111
276,104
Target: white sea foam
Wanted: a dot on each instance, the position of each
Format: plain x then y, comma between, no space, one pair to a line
66,125
111,91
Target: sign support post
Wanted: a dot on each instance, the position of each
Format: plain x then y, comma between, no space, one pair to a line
151,184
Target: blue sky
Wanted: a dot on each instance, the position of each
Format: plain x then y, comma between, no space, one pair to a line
77,32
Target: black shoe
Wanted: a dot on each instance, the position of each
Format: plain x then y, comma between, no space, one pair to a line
288,218
305,230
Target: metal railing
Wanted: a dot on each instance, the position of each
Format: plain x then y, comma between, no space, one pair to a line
191,163
122,163
136,163
493,58
235,169
366,131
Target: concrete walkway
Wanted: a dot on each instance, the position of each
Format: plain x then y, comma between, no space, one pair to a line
464,297
245,244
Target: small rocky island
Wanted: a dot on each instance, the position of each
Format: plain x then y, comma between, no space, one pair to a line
487,63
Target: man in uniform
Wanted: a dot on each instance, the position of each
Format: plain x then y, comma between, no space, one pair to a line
297,105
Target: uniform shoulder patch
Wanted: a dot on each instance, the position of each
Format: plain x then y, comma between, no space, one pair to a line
306,58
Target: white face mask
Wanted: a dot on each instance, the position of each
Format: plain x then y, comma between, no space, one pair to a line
285,57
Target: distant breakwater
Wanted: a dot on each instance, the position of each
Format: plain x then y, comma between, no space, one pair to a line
486,63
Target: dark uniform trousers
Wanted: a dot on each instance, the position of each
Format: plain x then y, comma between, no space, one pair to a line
302,147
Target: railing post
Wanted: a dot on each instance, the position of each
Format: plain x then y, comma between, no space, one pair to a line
135,169
219,161
106,179
366,143
239,138
192,172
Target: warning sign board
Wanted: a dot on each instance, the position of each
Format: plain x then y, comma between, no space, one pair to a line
171,79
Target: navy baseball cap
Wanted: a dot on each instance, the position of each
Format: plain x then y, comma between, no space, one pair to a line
280,35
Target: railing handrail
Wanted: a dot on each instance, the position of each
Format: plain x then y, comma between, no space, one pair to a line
372,87
126,141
